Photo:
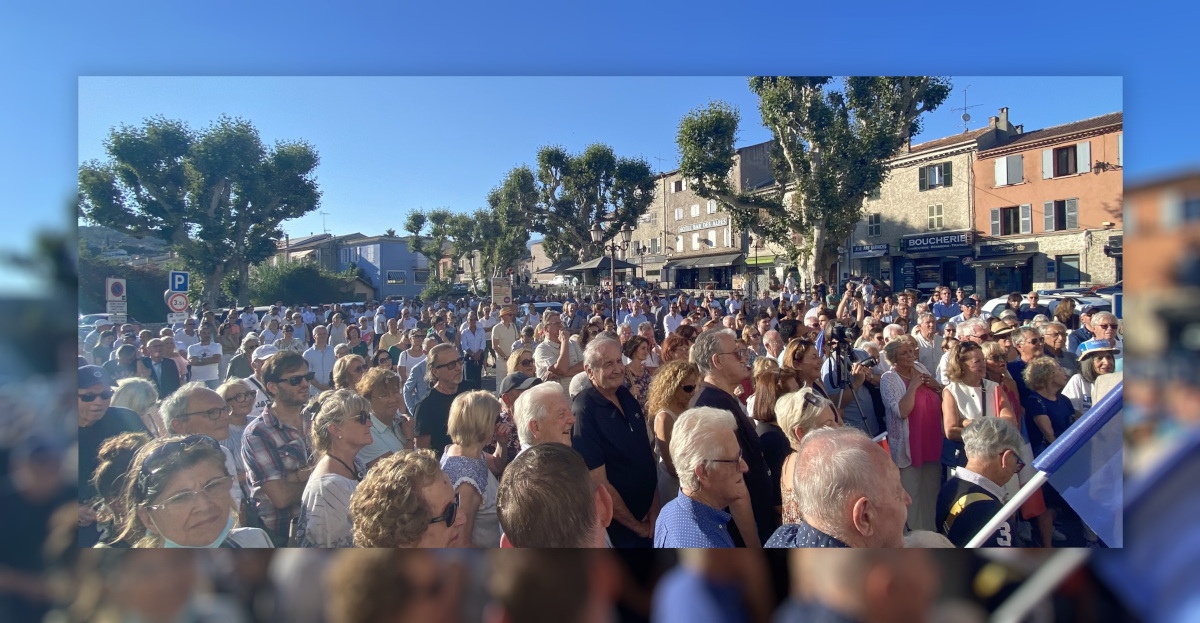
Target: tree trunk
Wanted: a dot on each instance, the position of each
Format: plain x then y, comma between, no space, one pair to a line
243,283
212,285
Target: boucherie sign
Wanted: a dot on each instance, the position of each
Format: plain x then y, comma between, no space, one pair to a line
945,241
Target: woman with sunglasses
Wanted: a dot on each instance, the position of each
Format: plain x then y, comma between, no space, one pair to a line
341,427
913,405
798,414
1096,358
348,371
382,359
406,500
472,426
801,367
969,395
179,495
671,392
290,341
521,360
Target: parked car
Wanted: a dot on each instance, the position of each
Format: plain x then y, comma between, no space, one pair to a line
87,322
1051,302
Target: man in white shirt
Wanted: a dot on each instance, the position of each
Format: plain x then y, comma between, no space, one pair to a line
734,304
557,358
503,336
205,357
472,340
320,360
186,336
637,317
673,319
272,314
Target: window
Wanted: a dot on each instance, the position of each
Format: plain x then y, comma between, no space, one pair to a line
421,276
874,225
397,277
712,206
696,210
1061,215
653,244
1064,161
728,237
1067,160
1010,170
678,243
1068,271
1010,221
345,253
936,218
696,241
677,186
873,195
935,176
679,214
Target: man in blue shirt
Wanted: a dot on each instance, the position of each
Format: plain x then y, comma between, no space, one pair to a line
1031,309
945,309
710,467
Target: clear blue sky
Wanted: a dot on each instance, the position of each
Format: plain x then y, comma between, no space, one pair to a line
45,48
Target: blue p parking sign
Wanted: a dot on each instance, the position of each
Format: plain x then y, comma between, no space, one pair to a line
178,281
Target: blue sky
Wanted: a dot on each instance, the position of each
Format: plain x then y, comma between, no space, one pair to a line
46,47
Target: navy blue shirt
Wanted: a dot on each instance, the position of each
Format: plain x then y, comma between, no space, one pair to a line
617,441
685,596
684,522
801,534
1016,369
1060,411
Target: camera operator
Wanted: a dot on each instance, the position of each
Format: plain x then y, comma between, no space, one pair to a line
846,374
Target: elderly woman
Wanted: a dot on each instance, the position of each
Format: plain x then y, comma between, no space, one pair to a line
1095,359
392,430
239,365
178,494
1002,334
967,396
1048,414
913,408
109,481
406,500
355,342
521,360
141,397
341,426
798,414
670,393
637,375
348,371
472,426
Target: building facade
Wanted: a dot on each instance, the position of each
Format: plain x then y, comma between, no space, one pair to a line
388,264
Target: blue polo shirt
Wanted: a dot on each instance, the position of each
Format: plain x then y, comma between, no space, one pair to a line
801,535
685,596
949,310
684,522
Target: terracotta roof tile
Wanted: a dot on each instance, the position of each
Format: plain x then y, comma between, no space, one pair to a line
1067,129
946,141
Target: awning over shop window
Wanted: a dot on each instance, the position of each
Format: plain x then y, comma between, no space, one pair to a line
761,260
1113,248
1005,261
717,261
685,262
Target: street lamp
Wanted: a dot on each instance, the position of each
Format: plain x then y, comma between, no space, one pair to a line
598,238
640,250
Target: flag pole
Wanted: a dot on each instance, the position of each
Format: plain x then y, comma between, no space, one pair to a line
1040,585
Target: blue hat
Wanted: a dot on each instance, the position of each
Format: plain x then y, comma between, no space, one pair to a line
94,375
1094,347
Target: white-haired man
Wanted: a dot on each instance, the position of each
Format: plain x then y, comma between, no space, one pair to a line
975,493
194,409
849,491
705,451
542,414
929,341
862,585
557,358
973,330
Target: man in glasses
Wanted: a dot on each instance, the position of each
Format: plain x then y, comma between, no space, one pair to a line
98,421
445,373
276,447
1028,341
557,358
975,493
1055,334
1031,308
708,458
197,410
1104,325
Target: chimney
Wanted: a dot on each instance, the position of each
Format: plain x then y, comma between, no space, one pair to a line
1021,129
992,122
1003,125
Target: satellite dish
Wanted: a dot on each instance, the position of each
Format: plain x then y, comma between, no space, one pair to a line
966,117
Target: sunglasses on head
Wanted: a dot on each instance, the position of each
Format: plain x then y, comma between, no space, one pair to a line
104,395
157,460
447,515
362,417
295,381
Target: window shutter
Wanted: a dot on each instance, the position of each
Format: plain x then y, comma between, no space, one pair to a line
922,183
1002,171
1083,156
1072,216
1172,208
1048,207
947,173
1026,218
1016,169
995,221
1047,164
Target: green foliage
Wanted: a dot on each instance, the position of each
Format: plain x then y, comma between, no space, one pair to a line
216,196
303,283
436,287
144,286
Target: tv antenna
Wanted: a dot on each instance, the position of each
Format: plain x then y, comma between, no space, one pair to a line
966,117
323,227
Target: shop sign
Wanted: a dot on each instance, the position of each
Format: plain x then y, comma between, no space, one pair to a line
1007,248
952,241
870,250
721,222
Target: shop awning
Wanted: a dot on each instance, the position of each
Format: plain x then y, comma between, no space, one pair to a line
760,260
555,268
1005,261
683,262
600,263
717,261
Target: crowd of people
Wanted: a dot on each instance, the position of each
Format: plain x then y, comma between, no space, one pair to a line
795,419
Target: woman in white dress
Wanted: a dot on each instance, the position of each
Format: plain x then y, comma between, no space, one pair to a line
341,426
472,426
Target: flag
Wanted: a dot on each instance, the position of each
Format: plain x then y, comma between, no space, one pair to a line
1157,574
1084,465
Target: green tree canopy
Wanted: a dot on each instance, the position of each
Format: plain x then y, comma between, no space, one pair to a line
217,196
829,150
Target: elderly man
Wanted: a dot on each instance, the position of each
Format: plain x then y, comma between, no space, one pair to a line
1105,326
127,363
1031,309
973,330
557,358
239,366
1055,334
542,414
945,309
504,334
186,336
197,410
547,498
929,341
321,357
163,372
432,416
975,493
705,451
968,311
862,585
773,344
392,336
849,491
610,433
98,421
723,365
1084,332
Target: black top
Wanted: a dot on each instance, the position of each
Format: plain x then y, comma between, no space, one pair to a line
775,447
764,496
976,507
433,419
116,420
617,441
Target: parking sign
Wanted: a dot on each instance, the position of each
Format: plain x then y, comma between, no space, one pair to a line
178,281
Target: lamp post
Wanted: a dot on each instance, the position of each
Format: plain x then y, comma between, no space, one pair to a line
668,252
640,249
598,238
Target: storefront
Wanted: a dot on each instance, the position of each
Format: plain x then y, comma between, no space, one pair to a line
1113,250
872,260
1008,267
700,272
927,261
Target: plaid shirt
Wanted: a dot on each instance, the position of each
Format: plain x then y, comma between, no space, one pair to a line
271,449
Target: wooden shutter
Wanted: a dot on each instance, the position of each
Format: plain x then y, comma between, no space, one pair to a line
1048,207
1072,214
995,221
922,183
1026,218
947,174
1083,156
1002,171
1016,169
1047,164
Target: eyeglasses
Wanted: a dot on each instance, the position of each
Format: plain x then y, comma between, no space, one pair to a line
688,388
526,362
448,514
734,461
1020,463
1036,340
104,395
240,396
214,413
1105,326
357,370
451,364
169,449
215,490
741,353
295,381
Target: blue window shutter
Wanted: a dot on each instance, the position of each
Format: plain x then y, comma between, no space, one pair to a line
1016,169
1048,207
995,221
1047,164
1026,218
947,174
1002,171
922,183
1072,214
1083,155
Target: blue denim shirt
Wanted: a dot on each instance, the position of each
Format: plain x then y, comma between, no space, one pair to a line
684,522
416,388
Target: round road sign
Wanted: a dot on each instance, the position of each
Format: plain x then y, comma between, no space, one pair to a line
177,302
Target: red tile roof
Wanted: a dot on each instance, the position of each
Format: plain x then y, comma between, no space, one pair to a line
1067,129
946,141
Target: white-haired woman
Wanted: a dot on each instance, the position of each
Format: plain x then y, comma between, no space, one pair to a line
1096,358
141,397
341,426
798,414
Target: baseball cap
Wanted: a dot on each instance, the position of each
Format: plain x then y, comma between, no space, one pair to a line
265,351
128,334
94,375
1086,309
103,323
518,380
1095,347
967,302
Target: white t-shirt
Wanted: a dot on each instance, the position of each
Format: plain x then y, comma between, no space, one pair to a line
546,354
207,372
183,340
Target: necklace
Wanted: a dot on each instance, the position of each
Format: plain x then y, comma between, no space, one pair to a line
357,476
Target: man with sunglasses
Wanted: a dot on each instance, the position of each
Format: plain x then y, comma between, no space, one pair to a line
1028,311
197,410
277,446
432,416
98,421
975,493
1028,341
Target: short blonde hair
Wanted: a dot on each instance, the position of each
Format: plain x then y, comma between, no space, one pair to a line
341,370
333,407
376,379
799,409
473,418
514,359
